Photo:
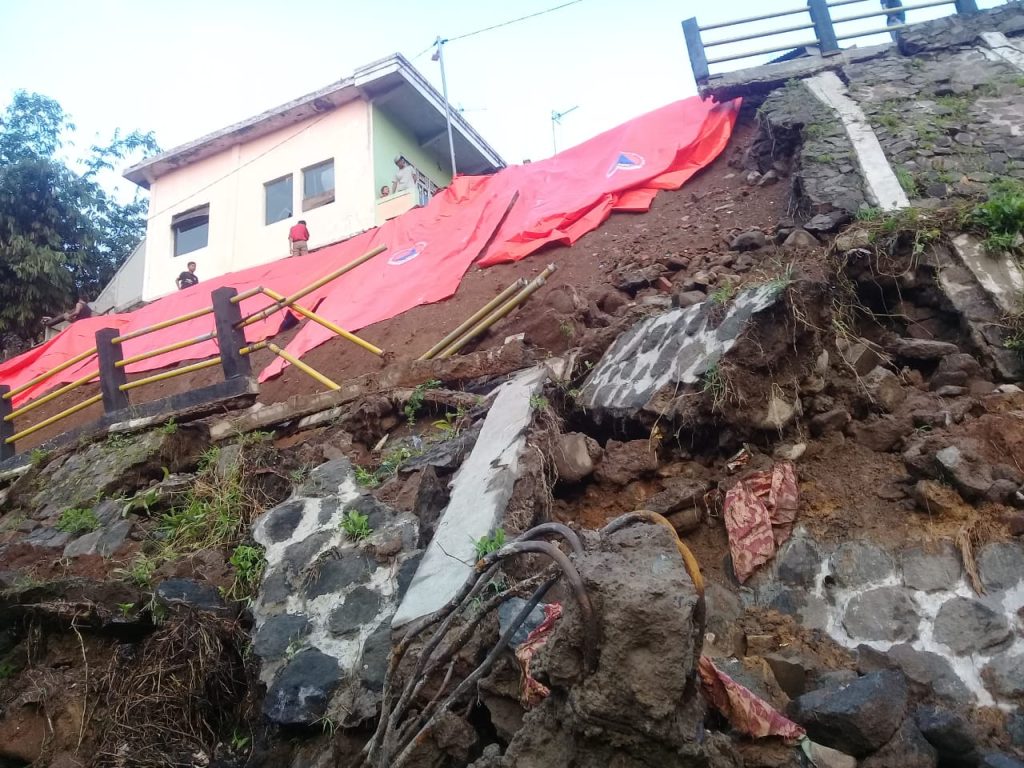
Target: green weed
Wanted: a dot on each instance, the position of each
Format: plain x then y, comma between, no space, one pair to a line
908,182
869,214
170,427
366,477
415,402
76,521
1001,217
539,402
38,456
714,385
356,526
249,563
126,609
140,572
7,670
723,294
485,545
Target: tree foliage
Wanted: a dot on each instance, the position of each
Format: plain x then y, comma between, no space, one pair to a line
61,232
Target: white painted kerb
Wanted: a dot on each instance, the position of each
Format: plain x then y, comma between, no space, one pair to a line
1001,46
883,187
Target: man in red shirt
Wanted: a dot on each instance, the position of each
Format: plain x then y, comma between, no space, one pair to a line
298,239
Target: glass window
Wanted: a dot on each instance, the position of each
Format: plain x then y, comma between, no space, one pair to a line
318,185
191,230
278,195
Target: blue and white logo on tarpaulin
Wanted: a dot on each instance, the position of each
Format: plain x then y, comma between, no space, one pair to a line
626,161
406,255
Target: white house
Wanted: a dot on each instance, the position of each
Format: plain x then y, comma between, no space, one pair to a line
227,200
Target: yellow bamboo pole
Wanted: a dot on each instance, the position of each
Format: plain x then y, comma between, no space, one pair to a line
53,371
309,371
337,329
51,396
253,348
470,321
263,314
247,294
162,324
498,313
53,419
170,374
168,348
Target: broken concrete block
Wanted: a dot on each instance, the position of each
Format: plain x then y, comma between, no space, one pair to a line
859,355
885,389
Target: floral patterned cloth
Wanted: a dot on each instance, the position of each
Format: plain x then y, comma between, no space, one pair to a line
759,516
745,711
533,692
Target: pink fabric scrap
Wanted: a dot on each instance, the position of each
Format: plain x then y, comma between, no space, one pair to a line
759,516
533,691
742,708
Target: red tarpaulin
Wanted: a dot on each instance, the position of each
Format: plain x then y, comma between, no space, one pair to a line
430,248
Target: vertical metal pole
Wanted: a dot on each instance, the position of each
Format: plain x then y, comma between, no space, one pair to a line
966,6
111,376
823,26
230,338
554,138
6,427
695,47
447,106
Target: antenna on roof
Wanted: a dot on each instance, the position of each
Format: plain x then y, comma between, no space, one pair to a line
556,119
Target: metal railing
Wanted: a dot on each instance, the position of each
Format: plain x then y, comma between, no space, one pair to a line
229,332
826,38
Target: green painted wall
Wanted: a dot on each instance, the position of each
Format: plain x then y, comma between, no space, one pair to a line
390,139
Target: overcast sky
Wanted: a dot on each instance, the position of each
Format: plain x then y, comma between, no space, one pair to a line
189,67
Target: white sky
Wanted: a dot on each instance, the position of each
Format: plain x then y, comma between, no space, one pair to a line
189,67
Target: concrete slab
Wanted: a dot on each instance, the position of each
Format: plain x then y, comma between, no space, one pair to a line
880,180
669,350
1003,48
480,492
998,274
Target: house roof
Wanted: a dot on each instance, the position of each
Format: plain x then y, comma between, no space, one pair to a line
392,83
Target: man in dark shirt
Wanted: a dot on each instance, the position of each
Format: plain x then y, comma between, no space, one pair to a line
81,311
298,239
187,279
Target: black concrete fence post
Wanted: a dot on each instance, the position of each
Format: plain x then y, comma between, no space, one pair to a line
695,47
6,427
823,26
111,376
230,338
966,6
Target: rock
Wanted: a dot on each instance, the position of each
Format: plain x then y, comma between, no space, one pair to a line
856,564
507,613
969,626
852,239
792,671
278,633
930,671
1004,675
885,389
882,434
1001,491
771,177
950,392
1015,728
753,178
373,661
827,222
723,612
936,498
1001,565
906,749
778,413
857,719
360,608
832,421
811,611
334,574
749,241
625,462
689,298
931,570
633,279
883,614
446,456
686,520
301,691
328,478
679,493
859,355
786,452
195,594
801,238
999,760
798,562
948,733
823,757
104,542
283,519
922,350
612,301
575,456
